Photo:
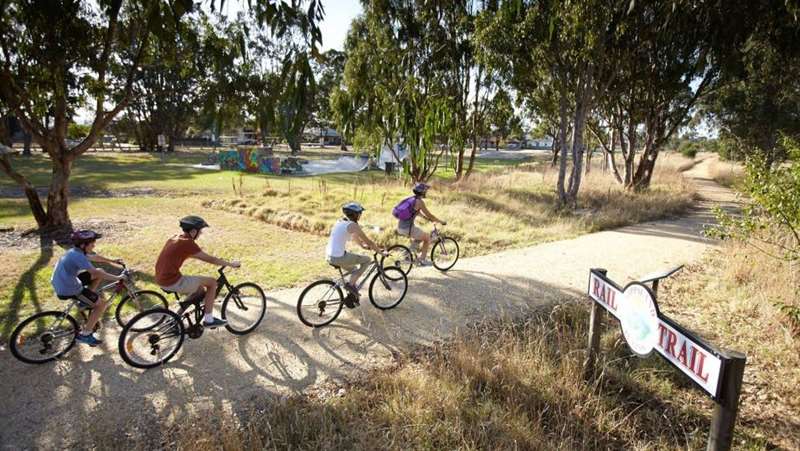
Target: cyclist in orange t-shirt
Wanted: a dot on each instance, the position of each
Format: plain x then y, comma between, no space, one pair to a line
176,251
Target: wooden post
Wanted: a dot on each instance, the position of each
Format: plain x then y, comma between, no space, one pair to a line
720,436
595,324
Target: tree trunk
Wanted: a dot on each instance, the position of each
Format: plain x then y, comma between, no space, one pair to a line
26,144
58,196
562,143
460,164
555,147
579,125
30,192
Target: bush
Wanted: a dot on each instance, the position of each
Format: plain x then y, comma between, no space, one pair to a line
689,149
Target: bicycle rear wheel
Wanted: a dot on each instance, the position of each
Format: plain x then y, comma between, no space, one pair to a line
151,338
43,337
388,288
399,256
320,303
135,303
444,253
244,308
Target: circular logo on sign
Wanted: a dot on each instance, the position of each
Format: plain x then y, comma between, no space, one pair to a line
639,319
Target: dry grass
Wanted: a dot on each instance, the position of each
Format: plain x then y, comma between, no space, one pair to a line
505,208
740,298
727,173
502,384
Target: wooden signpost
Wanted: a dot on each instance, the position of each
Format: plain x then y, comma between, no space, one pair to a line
716,372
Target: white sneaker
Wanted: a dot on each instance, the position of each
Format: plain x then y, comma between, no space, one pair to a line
423,262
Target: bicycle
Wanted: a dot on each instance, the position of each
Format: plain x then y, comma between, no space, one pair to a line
444,253
149,334
48,335
321,302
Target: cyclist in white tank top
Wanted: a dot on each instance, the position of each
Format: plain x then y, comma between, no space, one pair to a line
336,252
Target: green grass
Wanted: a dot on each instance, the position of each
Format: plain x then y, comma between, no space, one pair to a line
120,171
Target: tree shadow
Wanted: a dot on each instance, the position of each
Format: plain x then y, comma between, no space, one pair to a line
27,285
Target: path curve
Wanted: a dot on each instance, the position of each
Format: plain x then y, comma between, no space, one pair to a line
50,405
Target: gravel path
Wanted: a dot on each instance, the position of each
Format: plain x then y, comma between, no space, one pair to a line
50,405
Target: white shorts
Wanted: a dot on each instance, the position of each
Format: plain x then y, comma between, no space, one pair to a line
185,285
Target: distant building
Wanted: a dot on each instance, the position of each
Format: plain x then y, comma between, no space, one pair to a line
539,143
323,136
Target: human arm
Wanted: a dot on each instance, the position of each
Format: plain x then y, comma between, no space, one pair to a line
97,273
100,259
362,238
202,256
423,209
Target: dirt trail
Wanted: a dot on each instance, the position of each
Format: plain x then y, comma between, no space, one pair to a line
49,405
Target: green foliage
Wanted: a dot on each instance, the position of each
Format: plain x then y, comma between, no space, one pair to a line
757,101
77,131
772,216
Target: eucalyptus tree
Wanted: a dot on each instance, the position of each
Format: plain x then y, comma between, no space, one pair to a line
58,56
167,91
557,51
408,76
758,98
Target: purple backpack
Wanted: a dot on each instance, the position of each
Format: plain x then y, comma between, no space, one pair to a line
405,209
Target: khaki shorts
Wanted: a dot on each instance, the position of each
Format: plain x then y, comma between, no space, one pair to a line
415,233
349,260
185,285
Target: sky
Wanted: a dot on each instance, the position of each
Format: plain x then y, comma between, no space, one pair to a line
338,15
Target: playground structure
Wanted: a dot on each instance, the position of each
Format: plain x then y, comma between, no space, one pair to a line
263,161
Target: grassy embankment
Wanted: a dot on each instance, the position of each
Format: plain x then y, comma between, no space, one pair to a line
515,384
280,238
727,173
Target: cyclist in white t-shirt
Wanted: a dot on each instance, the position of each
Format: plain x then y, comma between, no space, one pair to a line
336,252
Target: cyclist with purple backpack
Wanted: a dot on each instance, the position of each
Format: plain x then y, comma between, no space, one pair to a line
406,213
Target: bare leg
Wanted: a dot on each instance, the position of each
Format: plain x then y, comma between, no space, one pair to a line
99,308
426,244
210,285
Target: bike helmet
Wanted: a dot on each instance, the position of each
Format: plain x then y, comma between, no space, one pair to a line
80,237
189,223
352,210
420,189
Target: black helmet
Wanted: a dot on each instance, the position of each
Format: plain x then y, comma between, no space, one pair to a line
193,223
420,189
80,237
352,210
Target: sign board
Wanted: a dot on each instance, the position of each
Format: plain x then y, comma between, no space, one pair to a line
646,329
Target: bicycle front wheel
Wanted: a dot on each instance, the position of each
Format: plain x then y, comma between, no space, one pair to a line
43,337
151,338
138,302
320,303
399,256
388,288
444,253
244,308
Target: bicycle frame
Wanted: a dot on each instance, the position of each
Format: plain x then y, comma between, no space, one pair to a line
374,266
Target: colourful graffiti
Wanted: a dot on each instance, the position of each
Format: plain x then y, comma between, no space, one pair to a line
249,160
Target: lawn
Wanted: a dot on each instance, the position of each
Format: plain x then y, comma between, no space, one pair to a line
278,226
